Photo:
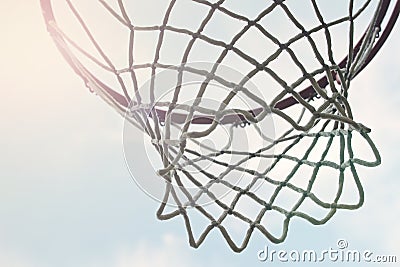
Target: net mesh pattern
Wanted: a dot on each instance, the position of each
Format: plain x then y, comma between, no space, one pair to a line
324,123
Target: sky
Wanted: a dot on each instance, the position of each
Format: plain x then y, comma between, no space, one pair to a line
67,197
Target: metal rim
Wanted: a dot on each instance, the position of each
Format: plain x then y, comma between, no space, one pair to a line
306,93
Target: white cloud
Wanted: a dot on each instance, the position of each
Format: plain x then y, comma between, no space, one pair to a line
171,252
12,259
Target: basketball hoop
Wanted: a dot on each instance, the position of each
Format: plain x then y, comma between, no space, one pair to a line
249,115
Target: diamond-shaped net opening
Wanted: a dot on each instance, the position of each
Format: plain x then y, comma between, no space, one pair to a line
246,147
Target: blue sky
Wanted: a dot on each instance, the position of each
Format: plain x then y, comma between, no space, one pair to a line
67,197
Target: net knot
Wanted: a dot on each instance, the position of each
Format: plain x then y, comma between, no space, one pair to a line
290,215
316,113
305,33
252,155
204,189
196,35
210,76
333,205
214,223
182,210
326,67
283,46
229,47
192,203
242,192
251,23
260,67
216,180
318,164
215,5
308,76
